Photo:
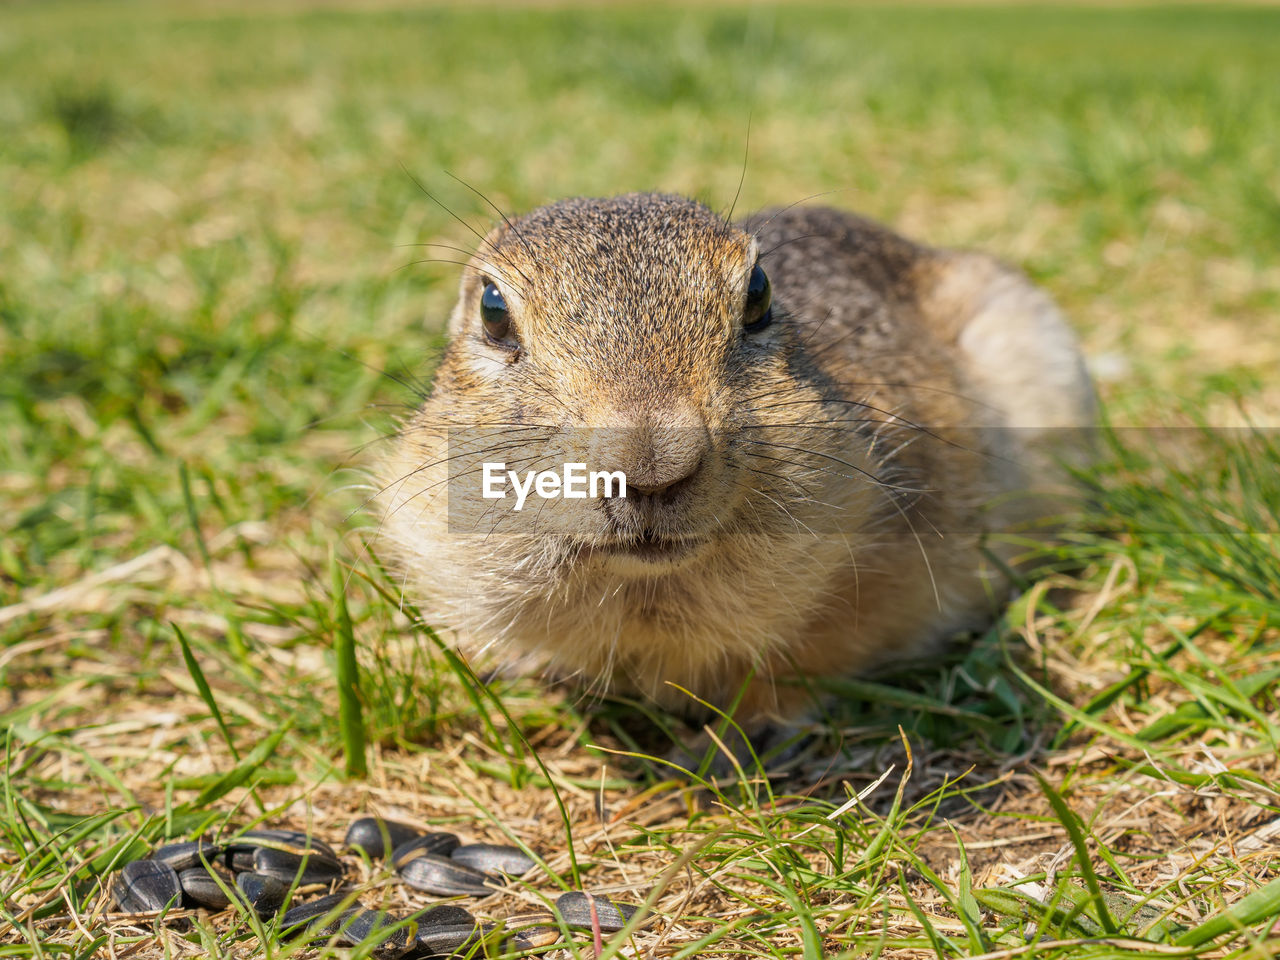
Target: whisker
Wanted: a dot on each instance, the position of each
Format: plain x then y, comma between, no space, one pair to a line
510,226
436,463
368,366
415,263
787,513
895,419
815,196
782,243
471,255
483,240
877,481
742,177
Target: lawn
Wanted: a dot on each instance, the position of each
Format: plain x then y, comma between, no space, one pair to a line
213,306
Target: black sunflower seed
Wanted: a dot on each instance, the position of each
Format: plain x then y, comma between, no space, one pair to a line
446,939
326,931
442,876
443,915
184,856
200,887
306,870
124,900
263,893
369,925
295,918
440,843
145,885
378,837
494,858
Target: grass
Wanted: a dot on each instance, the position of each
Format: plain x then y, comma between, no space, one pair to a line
208,306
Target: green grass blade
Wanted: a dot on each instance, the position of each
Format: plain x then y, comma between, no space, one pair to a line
243,770
1257,907
1071,823
202,686
235,636
966,905
350,706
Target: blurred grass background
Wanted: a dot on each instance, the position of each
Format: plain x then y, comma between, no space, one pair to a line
207,273
205,213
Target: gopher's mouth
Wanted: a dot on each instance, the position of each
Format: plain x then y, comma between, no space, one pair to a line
652,548
646,553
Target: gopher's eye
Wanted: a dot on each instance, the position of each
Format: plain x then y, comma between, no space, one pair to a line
759,311
494,313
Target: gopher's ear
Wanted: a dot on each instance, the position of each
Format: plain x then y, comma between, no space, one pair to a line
485,262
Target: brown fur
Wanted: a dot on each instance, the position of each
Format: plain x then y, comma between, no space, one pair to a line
844,461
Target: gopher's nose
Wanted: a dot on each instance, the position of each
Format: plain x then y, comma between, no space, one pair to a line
660,449
664,483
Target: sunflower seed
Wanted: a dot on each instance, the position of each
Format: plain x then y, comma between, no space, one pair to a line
263,893
369,925
185,856
441,843
443,915
494,858
575,908
378,837
307,913
145,885
440,875
443,940
290,867
328,930
199,886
